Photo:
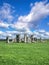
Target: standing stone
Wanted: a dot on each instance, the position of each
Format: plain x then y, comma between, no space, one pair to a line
29,40
7,39
25,38
17,38
32,39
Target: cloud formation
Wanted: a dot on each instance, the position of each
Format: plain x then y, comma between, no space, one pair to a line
41,34
4,25
6,13
39,11
24,23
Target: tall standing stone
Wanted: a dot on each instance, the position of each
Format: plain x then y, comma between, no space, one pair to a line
32,39
18,38
29,40
25,38
7,39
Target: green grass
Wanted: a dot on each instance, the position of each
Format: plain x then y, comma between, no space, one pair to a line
24,54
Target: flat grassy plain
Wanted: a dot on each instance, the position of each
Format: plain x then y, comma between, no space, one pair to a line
24,53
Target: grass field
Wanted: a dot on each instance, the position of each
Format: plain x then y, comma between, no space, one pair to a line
24,54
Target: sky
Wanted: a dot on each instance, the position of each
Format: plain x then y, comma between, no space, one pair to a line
24,16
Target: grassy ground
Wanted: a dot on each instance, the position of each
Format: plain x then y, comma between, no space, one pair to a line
24,54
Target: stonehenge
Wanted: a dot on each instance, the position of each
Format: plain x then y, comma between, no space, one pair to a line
25,39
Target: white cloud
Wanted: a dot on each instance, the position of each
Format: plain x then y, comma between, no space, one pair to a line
47,23
39,10
41,34
47,33
6,11
27,22
36,33
1,32
5,34
4,25
41,31
12,32
31,4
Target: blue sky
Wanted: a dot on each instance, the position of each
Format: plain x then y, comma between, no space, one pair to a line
24,16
